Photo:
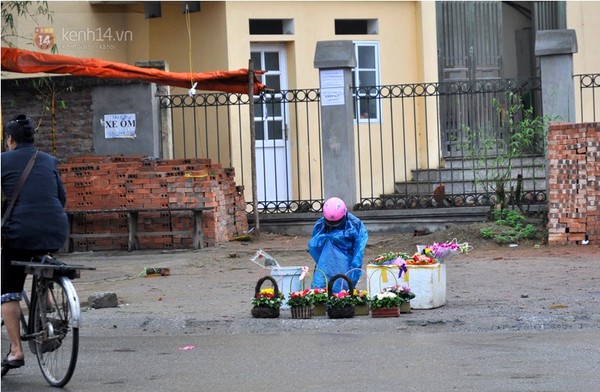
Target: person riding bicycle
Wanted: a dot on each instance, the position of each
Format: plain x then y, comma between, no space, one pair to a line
37,223
337,245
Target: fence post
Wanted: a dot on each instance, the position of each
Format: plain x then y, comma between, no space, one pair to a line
335,60
555,49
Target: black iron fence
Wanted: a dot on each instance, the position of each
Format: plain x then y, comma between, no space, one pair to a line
417,146
587,91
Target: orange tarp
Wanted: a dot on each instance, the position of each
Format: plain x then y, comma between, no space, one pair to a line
25,61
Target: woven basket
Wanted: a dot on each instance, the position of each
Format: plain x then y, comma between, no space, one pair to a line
385,312
262,311
346,311
302,312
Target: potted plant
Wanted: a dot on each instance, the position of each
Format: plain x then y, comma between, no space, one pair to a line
405,293
319,298
385,270
361,302
386,304
267,302
340,304
301,303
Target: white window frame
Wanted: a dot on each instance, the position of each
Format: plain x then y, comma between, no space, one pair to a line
375,117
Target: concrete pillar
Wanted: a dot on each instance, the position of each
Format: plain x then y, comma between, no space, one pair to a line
335,60
555,49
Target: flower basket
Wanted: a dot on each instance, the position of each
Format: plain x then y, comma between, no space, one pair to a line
266,305
386,304
343,312
301,303
264,312
385,312
302,312
340,305
361,303
361,310
319,310
405,307
320,301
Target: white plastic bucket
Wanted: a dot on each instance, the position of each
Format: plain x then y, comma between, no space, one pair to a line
287,279
427,282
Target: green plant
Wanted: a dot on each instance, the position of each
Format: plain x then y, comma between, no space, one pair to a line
511,218
319,296
403,292
266,298
386,299
48,92
300,298
340,300
517,132
361,297
513,227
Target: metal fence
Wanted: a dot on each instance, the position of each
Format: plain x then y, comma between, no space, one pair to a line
421,146
587,91
451,141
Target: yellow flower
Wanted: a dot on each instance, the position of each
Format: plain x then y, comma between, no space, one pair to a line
270,290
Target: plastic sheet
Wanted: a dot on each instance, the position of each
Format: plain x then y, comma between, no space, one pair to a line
338,250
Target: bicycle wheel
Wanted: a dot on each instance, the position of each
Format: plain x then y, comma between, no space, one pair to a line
56,340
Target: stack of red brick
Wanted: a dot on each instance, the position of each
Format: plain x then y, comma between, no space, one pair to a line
119,182
574,183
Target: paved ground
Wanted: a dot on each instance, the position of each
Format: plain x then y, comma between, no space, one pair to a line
209,291
516,319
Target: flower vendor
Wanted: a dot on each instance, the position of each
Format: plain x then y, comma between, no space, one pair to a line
337,245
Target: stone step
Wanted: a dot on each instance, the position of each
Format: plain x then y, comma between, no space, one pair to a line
460,187
456,175
492,162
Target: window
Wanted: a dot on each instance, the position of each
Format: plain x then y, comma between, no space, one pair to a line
366,76
356,26
271,26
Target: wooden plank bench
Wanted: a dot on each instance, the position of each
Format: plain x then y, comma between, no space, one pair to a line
132,225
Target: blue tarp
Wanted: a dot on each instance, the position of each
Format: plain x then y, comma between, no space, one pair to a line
338,250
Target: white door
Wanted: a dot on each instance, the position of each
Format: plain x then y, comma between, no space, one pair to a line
271,123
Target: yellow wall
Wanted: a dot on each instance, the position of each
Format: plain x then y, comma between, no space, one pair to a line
398,36
220,40
401,36
583,16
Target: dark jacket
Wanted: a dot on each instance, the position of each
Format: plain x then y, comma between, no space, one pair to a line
38,219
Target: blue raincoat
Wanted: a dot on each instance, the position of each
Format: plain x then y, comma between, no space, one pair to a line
338,250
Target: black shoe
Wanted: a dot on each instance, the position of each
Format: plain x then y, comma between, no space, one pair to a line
12,364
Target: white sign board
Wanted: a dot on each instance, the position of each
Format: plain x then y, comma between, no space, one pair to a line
332,87
119,126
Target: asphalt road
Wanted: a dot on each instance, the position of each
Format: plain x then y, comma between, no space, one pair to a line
330,361
515,321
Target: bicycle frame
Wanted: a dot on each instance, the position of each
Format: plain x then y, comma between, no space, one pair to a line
73,298
51,326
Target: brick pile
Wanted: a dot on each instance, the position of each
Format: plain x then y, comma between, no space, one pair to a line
126,182
574,183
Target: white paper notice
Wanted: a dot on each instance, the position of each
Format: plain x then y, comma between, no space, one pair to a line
119,126
332,87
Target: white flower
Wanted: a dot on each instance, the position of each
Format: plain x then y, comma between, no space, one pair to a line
386,294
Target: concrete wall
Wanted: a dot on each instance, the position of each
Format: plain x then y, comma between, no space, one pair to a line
79,108
139,104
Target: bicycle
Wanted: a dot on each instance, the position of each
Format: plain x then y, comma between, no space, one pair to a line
51,327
